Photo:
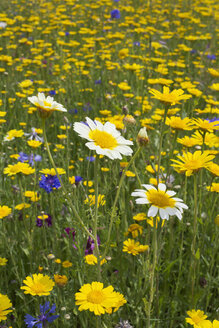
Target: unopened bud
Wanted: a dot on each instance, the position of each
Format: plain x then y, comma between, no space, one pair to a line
142,137
129,119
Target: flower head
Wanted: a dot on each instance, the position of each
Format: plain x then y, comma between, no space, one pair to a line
4,211
5,304
104,138
190,163
197,319
95,298
161,200
46,105
38,285
115,13
60,280
49,182
3,261
169,98
44,317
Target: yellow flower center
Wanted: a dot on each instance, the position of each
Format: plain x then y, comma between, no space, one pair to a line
196,319
193,164
96,297
160,199
47,104
103,139
38,288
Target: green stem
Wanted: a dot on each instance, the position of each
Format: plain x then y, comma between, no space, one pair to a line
116,199
152,272
193,262
97,251
63,187
161,140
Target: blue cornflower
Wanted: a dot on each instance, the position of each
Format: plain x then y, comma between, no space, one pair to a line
49,182
90,158
67,33
78,179
52,92
211,57
136,43
23,157
73,111
98,81
43,318
115,13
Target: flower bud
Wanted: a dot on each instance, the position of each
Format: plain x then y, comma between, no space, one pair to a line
142,137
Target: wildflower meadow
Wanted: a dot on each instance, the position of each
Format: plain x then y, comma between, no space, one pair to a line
109,164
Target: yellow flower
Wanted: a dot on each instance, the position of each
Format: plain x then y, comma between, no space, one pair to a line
213,187
197,319
4,211
3,261
5,304
187,142
11,134
123,53
38,285
95,298
18,168
214,86
191,163
177,123
52,171
91,200
32,195
25,84
213,72
21,206
90,259
129,174
140,217
66,264
213,168
150,221
135,229
34,143
204,125
130,246
60,280
169,98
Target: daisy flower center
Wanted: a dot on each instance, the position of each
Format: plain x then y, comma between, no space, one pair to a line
96,297
46,103
160,199
103,139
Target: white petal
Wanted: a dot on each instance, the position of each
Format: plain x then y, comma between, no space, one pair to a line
148,187
170,192
141,201
162,187
91,123
152,211
163,214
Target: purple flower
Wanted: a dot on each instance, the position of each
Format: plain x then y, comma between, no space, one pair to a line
49,182
90,245
40,222
115,13
71,231
41,320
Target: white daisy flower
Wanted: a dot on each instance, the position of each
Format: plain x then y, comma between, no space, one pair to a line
104,138
161,200
46,105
